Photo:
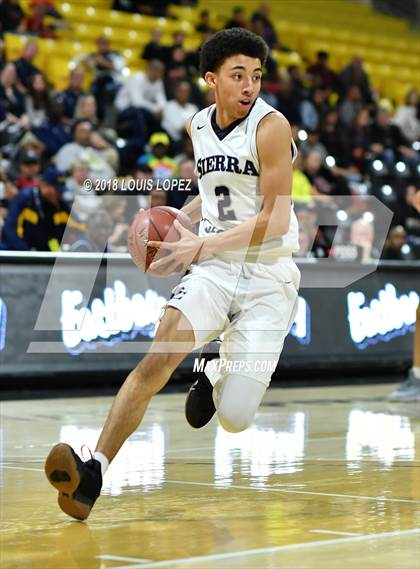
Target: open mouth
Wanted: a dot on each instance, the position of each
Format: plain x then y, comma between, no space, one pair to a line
245,103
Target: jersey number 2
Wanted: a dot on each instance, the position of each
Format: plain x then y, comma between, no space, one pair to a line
223,203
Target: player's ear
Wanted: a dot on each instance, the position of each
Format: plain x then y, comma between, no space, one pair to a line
209,78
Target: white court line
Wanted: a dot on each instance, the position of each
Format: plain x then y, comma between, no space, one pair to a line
275,549
333,531
21,468
271,489
122,558
188,449
274,489
326,438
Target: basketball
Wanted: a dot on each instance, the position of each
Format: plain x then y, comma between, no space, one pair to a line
155,224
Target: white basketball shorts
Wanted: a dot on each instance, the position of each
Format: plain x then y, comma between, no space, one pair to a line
252,306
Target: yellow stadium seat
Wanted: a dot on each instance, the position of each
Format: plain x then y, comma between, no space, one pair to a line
13,44
58,72
287,58
193,42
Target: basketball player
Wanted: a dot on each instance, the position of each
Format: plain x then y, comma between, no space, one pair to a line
242,282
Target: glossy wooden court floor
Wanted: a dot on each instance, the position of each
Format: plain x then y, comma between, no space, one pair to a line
325,478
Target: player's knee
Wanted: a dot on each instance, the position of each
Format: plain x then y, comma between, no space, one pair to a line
234,420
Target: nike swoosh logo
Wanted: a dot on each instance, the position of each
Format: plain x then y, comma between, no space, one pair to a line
200,127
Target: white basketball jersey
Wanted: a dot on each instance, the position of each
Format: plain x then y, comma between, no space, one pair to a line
227,168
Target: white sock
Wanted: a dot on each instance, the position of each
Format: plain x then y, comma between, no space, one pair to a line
416,372
103,460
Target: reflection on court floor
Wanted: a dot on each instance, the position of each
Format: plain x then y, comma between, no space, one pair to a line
324,478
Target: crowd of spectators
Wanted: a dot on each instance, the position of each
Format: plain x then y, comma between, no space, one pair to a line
353,144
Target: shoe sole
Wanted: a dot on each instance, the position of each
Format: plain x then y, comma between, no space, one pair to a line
195,424
62,473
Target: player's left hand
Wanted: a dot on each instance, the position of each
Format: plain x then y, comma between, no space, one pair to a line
181,253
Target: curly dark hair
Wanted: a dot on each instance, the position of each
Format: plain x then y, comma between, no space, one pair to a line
226,43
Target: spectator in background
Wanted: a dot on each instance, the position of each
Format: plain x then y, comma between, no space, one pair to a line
186,151
143,172
37,101
157,8
35,23
176,69
29,142
37,217
2,55
238,19
8,190
297,80
73,92
11,16
178,39
263,26
407,116
266,94
316,241
351,104
177,112
154,49
362,234
313,144
396,246
84,203
144,176
358,138
305,242
335,140
162,165
286,101
85,148
301,186
407,213
320,74
323,181
116,206
24,66
158,197
29,169
354,74
99,227
12,99
177,198
54,132
313,109
107,66
86,109
142,99
388,143
204,26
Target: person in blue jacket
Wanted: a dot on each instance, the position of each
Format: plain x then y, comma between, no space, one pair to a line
37,216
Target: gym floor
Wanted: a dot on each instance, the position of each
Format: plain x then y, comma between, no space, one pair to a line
326,478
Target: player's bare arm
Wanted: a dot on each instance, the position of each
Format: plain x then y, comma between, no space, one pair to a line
274,151
193,209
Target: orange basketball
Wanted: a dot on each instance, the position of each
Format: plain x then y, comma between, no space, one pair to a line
155,224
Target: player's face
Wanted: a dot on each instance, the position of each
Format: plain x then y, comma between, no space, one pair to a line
237,84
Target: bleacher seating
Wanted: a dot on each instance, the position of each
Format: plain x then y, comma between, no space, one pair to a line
390,51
